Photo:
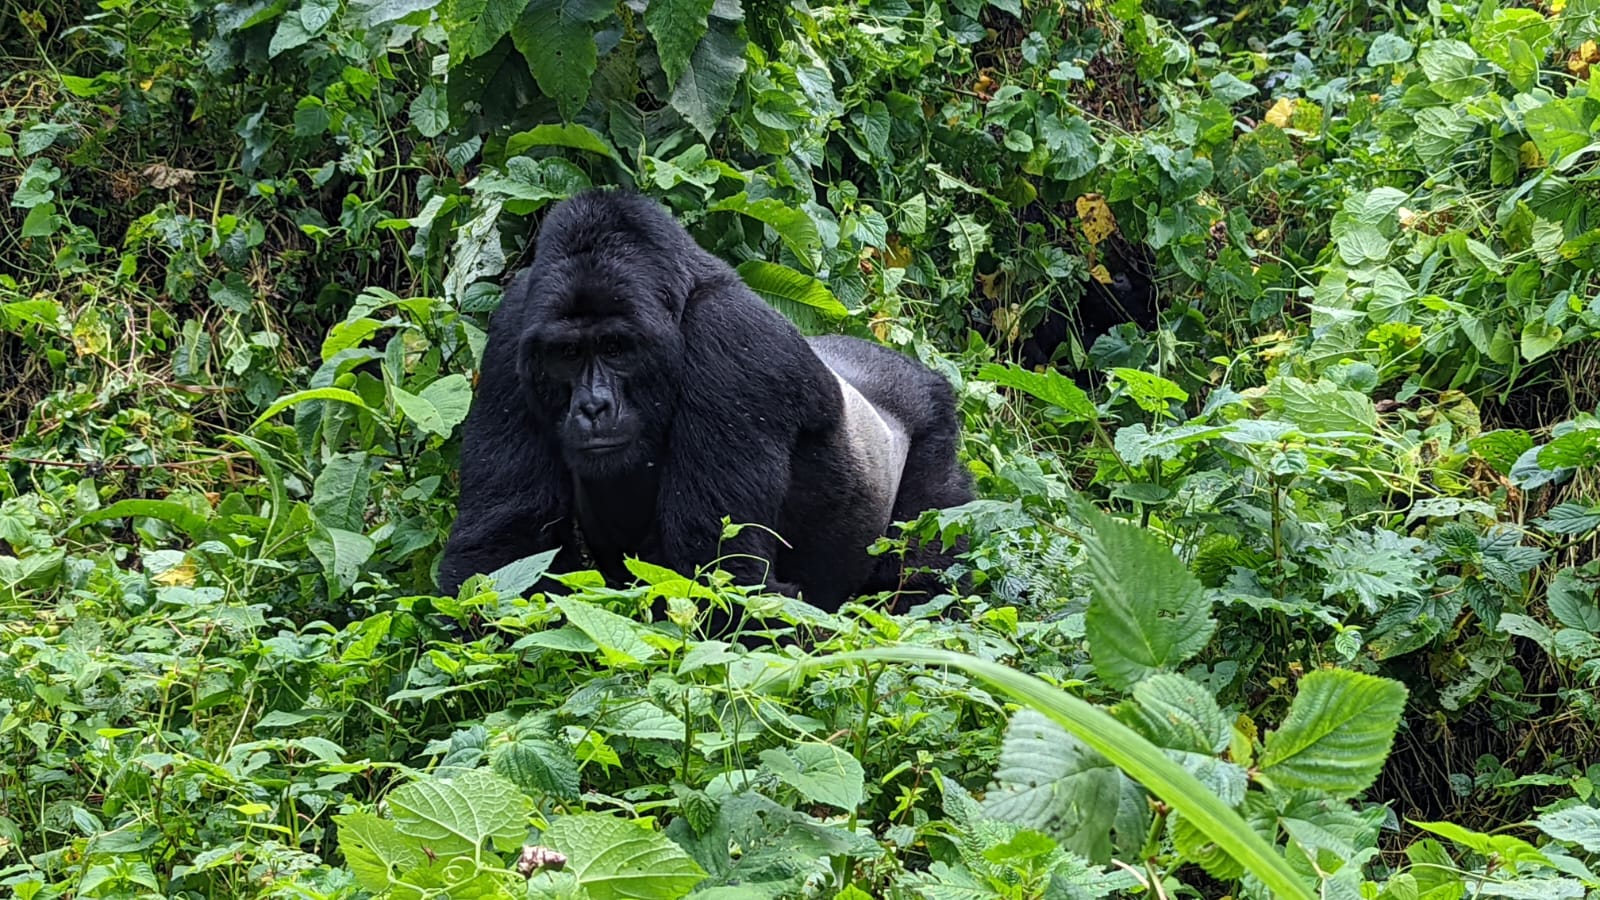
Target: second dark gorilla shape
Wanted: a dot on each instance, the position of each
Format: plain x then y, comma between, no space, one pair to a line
635,388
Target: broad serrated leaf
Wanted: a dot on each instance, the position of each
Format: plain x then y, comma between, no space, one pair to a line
804,300
1570,519
1576,449
576,137
1337,733
1050,386
231,292
617,636
822,773
615,859
539,766
1451,68
516,577
375,850
1322,406
291,33
1388,49
1181,715
459,815
705,89
1150,391
1049,781
677,26
556,37
316,14
1148,612
642,720
1576,825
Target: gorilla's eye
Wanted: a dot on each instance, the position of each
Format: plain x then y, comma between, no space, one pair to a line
611,347
568,351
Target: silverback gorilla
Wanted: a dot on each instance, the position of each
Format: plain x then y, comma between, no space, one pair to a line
635,391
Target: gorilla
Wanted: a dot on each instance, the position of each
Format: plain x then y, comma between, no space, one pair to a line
635,391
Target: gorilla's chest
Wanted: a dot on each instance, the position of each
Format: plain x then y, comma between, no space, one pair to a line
618,515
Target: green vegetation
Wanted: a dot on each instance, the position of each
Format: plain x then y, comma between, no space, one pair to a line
1290,593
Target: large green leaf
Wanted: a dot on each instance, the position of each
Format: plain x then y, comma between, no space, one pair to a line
968,238
805,300
1148,613
1337,734
615,859
794,227
617,636
1049,781
457,816
1322,406
342,554
705,89
556,37
678,27
576,137
440,407
375,850
176,514
1451,67
822,773
1050,386
475,26
339,497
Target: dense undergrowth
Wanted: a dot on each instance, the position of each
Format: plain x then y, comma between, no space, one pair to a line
1318,281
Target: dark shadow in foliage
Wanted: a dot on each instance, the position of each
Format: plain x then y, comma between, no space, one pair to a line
1129,298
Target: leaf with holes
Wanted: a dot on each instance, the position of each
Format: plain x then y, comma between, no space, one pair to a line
556,37
705,89
677,26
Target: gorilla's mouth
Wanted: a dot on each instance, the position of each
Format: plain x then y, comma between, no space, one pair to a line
601,448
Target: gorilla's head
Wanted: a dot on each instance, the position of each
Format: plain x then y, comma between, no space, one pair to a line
602,345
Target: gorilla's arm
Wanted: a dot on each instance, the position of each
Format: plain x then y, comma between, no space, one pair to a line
515,498
749,385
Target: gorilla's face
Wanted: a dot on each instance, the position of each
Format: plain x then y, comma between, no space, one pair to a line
600,356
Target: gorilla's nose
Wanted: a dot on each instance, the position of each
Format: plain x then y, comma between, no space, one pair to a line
592,409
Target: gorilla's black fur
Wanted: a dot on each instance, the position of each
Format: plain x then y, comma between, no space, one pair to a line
633,388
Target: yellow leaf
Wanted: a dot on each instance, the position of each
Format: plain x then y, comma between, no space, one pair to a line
1101,274
1007,323
177,576
1095,218
1530,157
1281,112
1556,6
1590,51
897,255
145,84
880,328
